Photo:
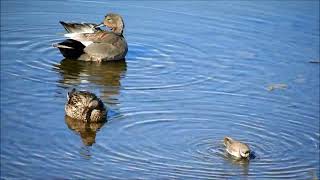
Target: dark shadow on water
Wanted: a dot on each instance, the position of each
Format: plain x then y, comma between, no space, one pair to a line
252,155
87,131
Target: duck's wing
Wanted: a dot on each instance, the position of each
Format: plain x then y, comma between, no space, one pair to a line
97,37
106,46
80,27
104,37
232,148
77,29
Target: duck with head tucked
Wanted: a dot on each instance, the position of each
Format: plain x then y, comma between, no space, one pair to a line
85,106
88,42
236,148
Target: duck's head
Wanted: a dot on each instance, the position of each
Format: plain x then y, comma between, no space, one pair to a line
114,22
244,151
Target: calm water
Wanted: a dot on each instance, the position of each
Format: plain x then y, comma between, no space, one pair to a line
195,72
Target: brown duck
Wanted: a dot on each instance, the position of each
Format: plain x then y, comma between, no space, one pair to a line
88,42
236,148
85,106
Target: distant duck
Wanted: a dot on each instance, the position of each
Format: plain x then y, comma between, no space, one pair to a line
85,106
89,43
236,148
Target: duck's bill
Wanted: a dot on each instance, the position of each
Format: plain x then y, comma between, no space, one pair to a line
99,25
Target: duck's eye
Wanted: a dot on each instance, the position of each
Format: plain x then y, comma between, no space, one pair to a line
110,20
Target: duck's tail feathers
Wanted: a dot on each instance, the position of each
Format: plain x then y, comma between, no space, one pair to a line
227,140
70,48
69,94
62,46
80,27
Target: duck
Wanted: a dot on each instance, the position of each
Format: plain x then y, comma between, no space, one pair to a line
236,148
88,42
85,106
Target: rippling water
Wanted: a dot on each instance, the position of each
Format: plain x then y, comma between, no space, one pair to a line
195,72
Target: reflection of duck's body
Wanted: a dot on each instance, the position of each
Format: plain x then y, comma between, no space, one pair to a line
89,43
73,71
85,106
106,76
236,148
86,130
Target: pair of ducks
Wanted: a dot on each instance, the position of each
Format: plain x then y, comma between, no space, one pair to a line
89,43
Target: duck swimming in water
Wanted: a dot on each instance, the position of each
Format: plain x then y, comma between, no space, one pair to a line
85,106
236,148
88,42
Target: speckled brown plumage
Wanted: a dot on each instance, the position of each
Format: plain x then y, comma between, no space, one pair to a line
85,106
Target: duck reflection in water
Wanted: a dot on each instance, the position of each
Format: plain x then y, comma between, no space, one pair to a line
243,164
105,75
87,131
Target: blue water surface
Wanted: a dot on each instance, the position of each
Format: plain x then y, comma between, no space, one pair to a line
196,71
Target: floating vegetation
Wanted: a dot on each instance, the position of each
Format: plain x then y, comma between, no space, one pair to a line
277,86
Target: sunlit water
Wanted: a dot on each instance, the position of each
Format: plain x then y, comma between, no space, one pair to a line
195,72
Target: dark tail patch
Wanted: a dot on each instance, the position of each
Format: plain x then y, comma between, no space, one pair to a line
70,48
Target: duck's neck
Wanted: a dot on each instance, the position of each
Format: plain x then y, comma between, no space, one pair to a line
118,30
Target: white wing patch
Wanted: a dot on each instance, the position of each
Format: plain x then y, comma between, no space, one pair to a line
77,36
